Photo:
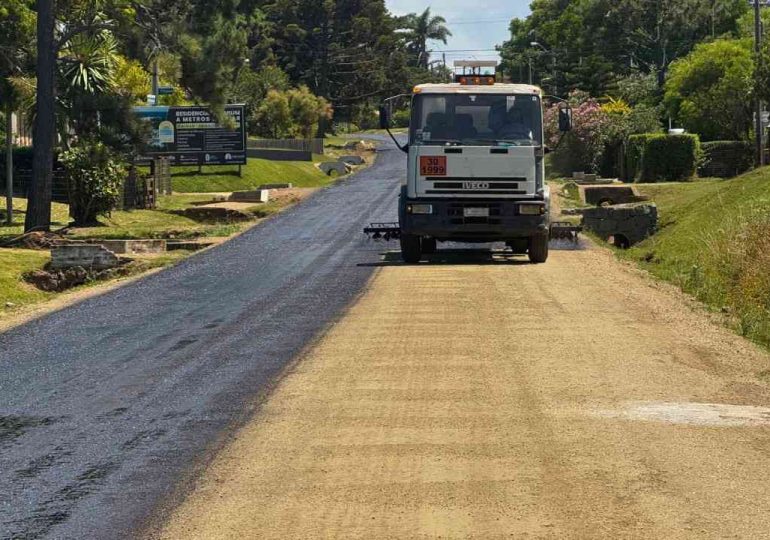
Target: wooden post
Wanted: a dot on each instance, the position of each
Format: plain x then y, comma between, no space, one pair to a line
8,166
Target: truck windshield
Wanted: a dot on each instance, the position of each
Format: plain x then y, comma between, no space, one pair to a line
481,119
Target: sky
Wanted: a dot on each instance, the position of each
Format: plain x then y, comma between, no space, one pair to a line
475,24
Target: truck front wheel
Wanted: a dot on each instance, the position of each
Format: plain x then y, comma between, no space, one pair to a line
428,246
538,249
411,249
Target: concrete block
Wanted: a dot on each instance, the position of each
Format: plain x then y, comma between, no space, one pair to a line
93,256
258,196
288,185
330,167
631,222
132,247
353,160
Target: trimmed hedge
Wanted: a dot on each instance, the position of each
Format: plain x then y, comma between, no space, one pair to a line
726,159
655,157
634,152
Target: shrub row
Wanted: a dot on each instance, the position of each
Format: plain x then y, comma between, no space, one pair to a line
655,157
725,159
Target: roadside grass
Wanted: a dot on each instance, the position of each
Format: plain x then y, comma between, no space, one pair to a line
714,243
16,294
257,172
14,291
135,224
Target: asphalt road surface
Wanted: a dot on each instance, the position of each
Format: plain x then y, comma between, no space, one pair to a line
109,408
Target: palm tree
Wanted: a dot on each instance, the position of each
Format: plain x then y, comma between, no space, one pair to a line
418,29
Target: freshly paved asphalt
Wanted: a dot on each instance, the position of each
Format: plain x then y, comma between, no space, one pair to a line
110,407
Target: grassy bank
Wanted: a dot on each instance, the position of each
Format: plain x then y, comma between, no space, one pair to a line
13,264
256,173
714,243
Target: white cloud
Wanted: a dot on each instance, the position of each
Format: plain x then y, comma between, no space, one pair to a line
477,25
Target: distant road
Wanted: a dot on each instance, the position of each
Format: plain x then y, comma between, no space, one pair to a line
109,407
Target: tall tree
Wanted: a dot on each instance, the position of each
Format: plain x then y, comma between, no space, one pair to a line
17,27
421,28
58,25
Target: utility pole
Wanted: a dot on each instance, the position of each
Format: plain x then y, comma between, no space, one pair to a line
155,78
8,165
757,102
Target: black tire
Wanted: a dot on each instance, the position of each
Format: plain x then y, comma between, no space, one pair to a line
519,246
538,249
411,248
428,246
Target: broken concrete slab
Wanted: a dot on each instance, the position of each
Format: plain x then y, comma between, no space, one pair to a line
625,224
93,256
215,214
258,196
133,247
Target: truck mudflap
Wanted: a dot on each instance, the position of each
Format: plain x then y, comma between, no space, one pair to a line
383,231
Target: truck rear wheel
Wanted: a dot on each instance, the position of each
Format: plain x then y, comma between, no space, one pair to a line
428,246
538,249
411,248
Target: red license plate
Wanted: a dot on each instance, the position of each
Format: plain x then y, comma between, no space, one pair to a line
432,165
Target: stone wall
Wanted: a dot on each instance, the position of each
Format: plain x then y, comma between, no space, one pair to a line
625,224
598,195
85,255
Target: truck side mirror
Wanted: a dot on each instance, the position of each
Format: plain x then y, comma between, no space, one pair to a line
384,117
565,119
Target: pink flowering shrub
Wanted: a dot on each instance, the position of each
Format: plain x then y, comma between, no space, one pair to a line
583,148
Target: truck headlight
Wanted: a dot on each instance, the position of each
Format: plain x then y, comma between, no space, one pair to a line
419,208
531,209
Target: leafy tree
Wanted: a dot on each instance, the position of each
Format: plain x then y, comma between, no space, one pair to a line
710,90
94,177
421,28
273,117
594,42
306,111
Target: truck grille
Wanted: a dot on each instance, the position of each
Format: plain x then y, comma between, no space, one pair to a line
456,214
491,186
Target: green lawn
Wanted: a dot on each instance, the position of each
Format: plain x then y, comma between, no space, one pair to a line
714,242
158,223
13,290
257,172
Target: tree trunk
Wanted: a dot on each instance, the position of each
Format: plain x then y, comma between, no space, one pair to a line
8,165
44,134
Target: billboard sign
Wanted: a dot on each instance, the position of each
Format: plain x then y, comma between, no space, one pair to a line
191,136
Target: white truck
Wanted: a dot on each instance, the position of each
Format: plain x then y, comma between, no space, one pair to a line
475,168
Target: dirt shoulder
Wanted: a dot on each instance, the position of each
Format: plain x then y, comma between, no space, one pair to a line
574,399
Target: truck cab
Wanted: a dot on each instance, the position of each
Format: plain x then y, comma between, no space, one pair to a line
475,168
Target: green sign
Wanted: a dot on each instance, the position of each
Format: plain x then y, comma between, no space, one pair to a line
165,90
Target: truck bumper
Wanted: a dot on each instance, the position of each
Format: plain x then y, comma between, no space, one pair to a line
449,222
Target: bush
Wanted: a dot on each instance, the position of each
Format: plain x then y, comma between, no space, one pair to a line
94,179
654,157
633,158
725,159
401,118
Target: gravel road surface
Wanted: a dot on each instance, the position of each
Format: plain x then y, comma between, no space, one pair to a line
480,398
109,407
